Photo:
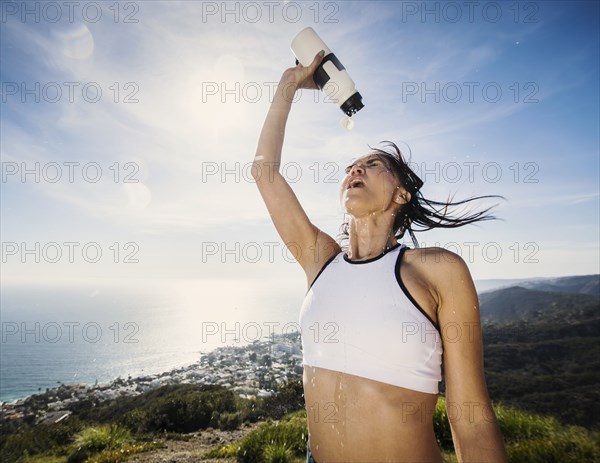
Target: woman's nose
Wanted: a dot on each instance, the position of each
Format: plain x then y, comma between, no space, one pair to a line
357,168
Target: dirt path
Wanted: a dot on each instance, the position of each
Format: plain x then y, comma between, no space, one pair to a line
192,450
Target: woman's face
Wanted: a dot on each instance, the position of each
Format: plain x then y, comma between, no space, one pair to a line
369,186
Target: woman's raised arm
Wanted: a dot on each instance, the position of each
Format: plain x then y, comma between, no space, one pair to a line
309,246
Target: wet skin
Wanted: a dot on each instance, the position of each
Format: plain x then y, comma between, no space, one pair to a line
355,419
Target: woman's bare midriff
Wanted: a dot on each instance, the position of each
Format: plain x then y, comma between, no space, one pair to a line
354,419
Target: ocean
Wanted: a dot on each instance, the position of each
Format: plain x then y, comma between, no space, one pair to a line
102,330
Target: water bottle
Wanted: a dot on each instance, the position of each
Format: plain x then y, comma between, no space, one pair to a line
331,76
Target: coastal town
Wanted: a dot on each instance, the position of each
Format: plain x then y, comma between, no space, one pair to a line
254,370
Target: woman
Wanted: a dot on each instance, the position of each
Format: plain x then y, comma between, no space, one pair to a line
374,318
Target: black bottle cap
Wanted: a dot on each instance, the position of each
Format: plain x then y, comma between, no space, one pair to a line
352,105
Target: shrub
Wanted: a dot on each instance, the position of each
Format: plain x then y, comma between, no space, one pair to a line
229,421
115,409
32,440
134,420
289,398
277,453
290,433
96,439
184,412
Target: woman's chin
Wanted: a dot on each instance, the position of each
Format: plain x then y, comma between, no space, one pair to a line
354,207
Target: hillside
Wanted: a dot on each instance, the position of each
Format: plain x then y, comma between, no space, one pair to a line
517,304
150,432
579,284
542,352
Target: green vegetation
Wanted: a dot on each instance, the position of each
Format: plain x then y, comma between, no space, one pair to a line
529,439
173,411
272,442
517,304
182,412
32,440
127,425
544,362
277,453
288,437
547,360
95,440
102,444
536,439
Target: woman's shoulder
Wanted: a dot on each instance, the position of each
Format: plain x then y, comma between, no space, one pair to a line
444,273
435,263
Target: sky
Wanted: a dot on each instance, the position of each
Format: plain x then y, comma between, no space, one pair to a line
128,129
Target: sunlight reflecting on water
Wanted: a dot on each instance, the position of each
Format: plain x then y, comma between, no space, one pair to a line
101,329
219,312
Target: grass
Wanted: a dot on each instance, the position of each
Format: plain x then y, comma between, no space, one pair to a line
274,442
529,438
44,459
108,455
94,440
120,455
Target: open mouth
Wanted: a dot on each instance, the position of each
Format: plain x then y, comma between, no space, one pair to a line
356,183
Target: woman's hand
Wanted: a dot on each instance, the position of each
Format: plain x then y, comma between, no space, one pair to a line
302,77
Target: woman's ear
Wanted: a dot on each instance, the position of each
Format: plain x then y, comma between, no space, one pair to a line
402,196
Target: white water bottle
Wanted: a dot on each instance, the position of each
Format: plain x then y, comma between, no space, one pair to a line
331,76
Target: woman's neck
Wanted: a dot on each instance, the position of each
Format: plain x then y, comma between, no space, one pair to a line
370,237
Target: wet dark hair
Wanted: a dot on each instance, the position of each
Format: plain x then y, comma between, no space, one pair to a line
421,214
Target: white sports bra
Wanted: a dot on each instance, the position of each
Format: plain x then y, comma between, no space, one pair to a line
358,318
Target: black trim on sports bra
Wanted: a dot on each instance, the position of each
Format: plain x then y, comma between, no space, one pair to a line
405,290
366,261
329,261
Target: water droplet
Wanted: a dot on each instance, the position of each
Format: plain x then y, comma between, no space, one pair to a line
347,122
